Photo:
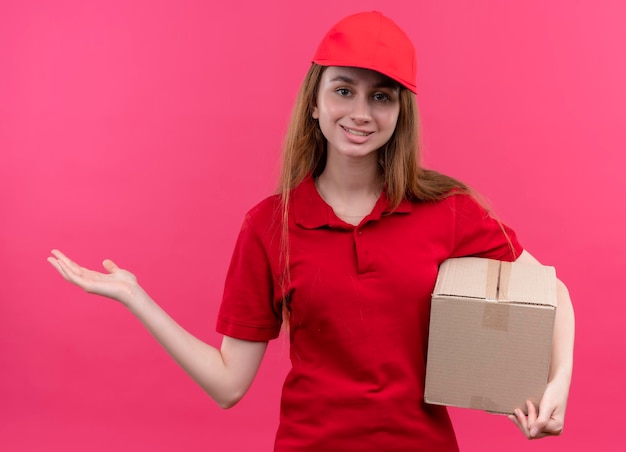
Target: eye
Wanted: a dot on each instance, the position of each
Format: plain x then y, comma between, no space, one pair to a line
343,92
381,97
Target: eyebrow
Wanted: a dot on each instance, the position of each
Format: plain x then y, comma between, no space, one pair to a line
386,82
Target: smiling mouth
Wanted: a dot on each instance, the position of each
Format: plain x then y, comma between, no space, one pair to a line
358,133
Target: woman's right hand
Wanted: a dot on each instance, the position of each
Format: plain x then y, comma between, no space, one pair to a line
117,283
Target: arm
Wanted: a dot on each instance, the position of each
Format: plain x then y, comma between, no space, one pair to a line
225,374
550,419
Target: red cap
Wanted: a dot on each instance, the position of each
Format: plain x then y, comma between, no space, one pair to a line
370,41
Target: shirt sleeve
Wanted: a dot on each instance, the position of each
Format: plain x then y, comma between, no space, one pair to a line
478,233
247,311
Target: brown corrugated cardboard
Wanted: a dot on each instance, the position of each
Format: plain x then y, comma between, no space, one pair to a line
490,337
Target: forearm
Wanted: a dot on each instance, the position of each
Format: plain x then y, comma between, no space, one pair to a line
563,338
225,374
223,381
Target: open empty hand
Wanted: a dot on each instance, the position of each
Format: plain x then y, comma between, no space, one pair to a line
116,283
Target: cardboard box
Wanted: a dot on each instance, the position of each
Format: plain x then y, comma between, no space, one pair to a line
490,333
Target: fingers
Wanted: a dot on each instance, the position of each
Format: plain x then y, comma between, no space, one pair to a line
66,262
70,270
535,426
56,264
549,421
62,264
73,272
540,423
110,266
59,255
523,421
532,420
520,420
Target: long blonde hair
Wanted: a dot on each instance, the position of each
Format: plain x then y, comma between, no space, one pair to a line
304,154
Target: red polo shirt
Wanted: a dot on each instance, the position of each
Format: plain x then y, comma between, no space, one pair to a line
360,304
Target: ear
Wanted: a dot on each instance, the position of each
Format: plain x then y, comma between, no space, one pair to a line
315,113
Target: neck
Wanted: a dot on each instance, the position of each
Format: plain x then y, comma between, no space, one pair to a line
351,190
351,177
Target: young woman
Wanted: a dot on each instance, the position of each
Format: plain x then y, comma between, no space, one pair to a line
345,258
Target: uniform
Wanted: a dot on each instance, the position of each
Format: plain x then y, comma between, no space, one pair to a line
359,298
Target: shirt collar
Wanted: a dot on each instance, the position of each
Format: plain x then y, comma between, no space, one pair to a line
312,212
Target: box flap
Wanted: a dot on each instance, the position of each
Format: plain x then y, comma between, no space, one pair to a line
470,277
514,284
492,280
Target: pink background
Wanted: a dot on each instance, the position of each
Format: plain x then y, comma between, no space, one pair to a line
143,131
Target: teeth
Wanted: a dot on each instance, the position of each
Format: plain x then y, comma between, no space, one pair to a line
356,132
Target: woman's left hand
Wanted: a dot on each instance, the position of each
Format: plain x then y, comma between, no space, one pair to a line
551,417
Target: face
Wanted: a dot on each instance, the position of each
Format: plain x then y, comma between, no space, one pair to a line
357,110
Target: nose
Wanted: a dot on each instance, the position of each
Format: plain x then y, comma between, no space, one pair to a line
361,110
